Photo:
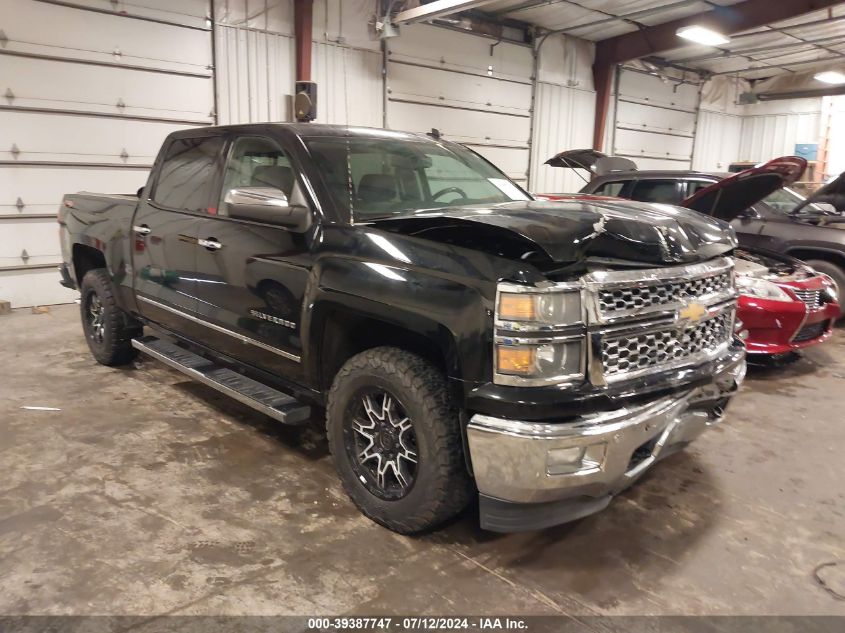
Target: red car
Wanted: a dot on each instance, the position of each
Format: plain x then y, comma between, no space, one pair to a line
784,304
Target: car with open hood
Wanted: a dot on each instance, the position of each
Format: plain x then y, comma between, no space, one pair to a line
811,229
785,304
458,337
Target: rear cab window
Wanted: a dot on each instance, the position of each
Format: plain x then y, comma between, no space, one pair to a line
187,176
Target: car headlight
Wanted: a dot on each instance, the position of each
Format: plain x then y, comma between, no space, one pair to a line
534,341
761,288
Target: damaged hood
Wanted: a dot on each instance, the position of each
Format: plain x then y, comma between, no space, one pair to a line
574,230
730,197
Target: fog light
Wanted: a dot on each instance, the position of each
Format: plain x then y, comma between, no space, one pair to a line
743,335
574,459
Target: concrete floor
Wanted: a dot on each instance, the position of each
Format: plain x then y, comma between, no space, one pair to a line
149,494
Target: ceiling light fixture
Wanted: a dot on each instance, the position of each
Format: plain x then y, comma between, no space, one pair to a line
830,77
702,35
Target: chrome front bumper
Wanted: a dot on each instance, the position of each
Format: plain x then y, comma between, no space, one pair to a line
593,456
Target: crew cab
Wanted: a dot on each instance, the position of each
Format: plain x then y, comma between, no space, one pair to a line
459,337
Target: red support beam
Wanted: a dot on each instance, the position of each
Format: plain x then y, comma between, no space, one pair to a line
303,19
662,37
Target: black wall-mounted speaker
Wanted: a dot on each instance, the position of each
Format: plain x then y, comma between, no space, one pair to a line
305,101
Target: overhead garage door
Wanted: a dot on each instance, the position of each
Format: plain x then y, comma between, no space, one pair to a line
90,90
655,120
474,90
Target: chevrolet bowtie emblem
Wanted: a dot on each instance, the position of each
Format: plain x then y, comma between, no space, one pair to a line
692,313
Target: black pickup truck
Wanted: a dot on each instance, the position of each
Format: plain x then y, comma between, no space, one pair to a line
460,337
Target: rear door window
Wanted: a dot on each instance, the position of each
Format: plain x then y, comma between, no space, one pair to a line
187,175
613,189
664,191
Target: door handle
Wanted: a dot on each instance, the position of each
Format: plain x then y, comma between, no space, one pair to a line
143,229
211,244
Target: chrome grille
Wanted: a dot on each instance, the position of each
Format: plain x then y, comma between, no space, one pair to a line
631,353
813,298
631,299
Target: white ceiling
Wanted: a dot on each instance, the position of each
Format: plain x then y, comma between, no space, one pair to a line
786,47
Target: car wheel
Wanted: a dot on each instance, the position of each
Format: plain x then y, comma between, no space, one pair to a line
396,442
108,330
834,272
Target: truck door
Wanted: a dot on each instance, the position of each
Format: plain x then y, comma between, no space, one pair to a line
251,276
165,227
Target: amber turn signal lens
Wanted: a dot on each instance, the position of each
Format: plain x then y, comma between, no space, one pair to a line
516,307
515,360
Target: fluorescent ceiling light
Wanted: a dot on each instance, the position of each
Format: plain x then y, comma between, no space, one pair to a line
702,35
830,77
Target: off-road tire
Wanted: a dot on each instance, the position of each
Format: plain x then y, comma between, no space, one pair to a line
834,272
113,344
442,487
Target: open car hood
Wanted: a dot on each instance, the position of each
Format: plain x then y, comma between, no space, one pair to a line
592,160
833,193
733,195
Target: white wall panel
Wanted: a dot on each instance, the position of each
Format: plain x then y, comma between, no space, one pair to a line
40,189
563,120
474,93
772,129
446,88
40,83
186,12
349,85
255,75
48,29
438,47
34,287
81,139
654,120
483,128
93,94
273,16
717,141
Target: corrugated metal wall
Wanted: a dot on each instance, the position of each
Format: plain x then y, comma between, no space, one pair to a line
564,112
256,62
91,90
772,129
717,141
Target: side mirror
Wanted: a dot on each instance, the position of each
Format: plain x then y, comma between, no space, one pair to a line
268,205
747,214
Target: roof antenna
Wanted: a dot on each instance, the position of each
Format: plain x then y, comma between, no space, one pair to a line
435,134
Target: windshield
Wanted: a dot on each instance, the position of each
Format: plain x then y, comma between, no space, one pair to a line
377,177
785,200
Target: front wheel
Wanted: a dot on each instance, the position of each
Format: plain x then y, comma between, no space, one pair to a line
396,441
108,330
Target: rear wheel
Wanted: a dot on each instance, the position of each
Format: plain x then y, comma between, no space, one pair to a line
396,442
108,330
834,272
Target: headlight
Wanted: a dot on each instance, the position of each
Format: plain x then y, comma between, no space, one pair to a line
760,288
553,354
528,310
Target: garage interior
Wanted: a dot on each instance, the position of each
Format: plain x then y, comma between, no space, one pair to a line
134,491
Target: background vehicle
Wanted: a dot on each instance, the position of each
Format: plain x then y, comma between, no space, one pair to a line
782,222
459,335
785,305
